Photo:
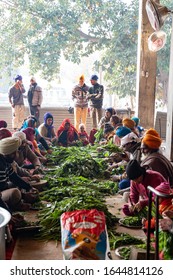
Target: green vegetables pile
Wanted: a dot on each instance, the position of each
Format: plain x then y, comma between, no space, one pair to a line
77,161
166,244
132,221
76,183
117,239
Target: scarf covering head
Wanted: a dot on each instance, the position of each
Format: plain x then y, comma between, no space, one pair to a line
3,124
134,170
30,133
49,127
9,145
131,137
4,133
111,111
164,188
71,131
128,123
20,134
152,139
30,122
122,131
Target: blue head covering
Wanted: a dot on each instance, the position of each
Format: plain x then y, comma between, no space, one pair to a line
136,120
18,77
49,127
48,116
122,131
94,77
111,110
30,123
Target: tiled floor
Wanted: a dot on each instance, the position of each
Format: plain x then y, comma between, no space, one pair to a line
28,248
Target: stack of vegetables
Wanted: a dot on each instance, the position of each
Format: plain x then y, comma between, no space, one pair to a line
76,181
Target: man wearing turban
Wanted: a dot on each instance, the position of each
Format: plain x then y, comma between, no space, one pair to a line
17,102
79,96
12,196
96,94
152,157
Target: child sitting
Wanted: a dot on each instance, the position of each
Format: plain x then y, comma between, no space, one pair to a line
83,136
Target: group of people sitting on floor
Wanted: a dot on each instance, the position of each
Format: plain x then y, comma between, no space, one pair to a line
23,153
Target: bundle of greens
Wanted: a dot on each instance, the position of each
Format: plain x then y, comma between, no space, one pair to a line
117,239
49,217
166,245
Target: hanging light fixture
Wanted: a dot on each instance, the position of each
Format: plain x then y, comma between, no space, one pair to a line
157,14
157,40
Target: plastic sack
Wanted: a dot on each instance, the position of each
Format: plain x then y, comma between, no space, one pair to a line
84,235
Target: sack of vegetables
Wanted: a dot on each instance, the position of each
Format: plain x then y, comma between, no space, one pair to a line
84,235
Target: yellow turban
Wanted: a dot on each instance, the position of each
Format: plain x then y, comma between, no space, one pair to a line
128,123
9,145
152,139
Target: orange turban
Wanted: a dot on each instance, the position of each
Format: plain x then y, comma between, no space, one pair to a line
153,132
128,123
82,78
152,139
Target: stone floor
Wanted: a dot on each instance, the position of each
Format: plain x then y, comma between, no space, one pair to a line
28,248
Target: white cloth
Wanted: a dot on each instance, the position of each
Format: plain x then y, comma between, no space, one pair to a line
131,137
9,145
19,134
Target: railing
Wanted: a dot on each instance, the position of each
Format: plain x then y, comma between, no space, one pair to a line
158,194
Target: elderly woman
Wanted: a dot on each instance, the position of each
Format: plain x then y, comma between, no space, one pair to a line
47,130
67,134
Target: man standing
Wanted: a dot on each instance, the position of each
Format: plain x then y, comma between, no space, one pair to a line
96,100
16,100
35,99
79,95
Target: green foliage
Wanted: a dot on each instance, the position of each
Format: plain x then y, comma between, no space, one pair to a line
44,30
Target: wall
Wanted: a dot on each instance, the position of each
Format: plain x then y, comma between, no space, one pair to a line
59,115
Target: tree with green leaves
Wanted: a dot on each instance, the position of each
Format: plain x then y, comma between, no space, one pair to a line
46,30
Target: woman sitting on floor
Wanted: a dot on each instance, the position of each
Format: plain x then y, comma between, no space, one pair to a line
46,129
31,122
67,134
30,136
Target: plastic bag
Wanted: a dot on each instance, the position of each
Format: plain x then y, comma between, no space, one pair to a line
84,235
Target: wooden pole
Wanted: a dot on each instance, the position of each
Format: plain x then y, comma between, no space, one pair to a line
169,125
146,71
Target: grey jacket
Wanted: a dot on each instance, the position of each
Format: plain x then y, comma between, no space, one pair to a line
37,96
79,96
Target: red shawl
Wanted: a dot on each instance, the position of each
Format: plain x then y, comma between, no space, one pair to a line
165,205
71,131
